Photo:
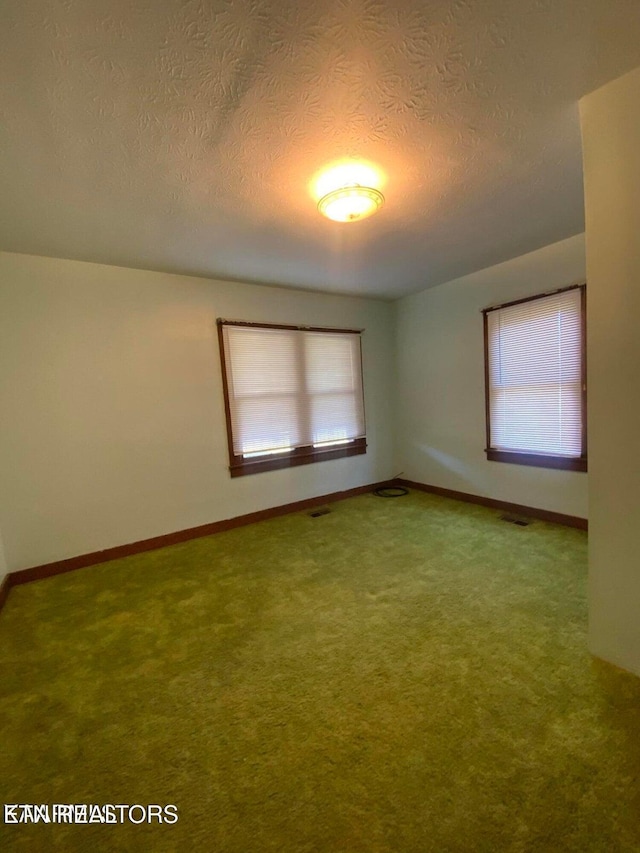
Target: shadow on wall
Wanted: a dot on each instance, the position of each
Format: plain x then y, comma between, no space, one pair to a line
443,463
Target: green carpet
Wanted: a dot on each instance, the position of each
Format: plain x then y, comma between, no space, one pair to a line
402,675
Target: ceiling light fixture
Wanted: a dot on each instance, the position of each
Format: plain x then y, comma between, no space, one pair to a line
350,203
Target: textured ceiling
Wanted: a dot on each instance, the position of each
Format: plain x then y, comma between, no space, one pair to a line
182,135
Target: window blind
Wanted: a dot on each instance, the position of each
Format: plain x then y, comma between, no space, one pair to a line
535,375
292,388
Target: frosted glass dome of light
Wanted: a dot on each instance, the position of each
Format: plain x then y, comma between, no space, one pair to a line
350,204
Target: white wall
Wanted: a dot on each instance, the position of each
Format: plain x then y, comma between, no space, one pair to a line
440,398
611,142
113,425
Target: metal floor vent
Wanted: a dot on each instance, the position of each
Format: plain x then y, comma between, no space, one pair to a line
516,519
323,510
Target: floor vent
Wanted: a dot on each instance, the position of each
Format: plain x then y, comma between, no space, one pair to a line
515,519
316,513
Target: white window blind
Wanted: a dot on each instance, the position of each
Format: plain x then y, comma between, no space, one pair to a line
291,388
535,375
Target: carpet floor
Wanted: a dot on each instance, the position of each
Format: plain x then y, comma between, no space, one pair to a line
397,676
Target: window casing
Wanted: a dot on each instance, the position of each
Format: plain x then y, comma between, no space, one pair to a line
535,380
292,395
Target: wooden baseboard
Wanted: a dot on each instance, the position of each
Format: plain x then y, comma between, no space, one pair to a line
82,561
518,509
59,567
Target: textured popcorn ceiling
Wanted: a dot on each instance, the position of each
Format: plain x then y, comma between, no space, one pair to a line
182,136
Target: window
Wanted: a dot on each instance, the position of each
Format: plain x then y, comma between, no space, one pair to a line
535,380
292,395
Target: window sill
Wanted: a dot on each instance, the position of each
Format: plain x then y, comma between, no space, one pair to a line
538,460
300,456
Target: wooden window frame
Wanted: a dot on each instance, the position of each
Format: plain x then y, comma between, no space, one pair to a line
541,460
303,455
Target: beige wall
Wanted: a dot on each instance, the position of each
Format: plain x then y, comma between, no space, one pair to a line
3,562
113,424
611,142
440,397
